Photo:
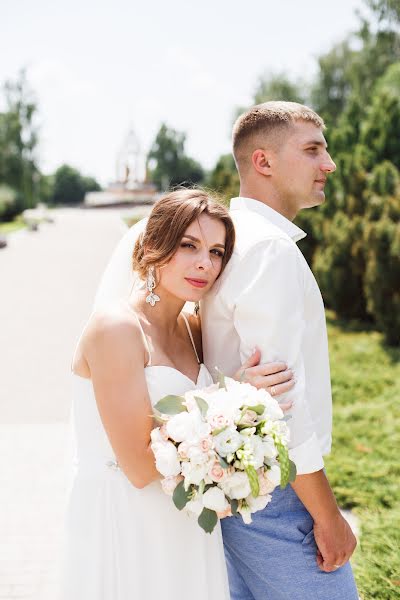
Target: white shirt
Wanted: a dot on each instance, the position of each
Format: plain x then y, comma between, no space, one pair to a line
268,297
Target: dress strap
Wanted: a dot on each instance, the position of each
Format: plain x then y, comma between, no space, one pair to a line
191,336
145,340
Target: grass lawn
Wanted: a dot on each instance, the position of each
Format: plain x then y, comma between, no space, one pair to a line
364,467
10,226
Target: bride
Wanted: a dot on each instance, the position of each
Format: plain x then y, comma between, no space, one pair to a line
125,538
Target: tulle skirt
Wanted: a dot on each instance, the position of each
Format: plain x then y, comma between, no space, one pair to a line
123,543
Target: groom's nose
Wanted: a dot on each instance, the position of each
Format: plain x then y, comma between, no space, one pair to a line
328,166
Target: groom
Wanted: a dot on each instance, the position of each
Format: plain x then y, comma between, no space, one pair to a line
298,547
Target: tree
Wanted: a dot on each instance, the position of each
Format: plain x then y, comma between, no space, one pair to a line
169,166
18,140
279,87
224,178
387,11
70,186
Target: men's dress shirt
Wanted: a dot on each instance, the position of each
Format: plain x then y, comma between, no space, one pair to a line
268,298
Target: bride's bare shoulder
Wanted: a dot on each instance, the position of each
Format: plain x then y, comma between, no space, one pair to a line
115,324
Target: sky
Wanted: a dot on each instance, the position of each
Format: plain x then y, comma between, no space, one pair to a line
100,67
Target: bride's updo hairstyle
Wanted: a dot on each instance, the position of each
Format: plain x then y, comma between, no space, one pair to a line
167,223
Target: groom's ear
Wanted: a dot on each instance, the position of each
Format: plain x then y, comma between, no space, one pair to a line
261,161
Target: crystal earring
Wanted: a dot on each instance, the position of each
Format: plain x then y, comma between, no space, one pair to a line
196,309
152,298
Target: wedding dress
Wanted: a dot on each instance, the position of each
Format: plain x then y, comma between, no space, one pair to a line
125,543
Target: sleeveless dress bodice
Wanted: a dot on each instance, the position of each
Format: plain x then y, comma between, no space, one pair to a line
91,444
124,543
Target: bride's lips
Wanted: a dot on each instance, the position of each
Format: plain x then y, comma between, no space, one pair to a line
199,283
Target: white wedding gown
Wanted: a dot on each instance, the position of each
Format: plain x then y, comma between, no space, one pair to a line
124,543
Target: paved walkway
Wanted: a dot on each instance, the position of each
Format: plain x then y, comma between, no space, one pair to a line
48,280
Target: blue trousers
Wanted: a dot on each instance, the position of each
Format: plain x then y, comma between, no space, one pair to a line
274,558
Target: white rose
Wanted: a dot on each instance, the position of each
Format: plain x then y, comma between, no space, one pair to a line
194,507
257,447
167,461
236,486
156,436
246,514
222,410
272,409
227,441
269,448
258,503
193,473
214,499
274,475
187,426
169,484
196,455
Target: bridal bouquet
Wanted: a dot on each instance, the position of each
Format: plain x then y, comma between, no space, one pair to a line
222,450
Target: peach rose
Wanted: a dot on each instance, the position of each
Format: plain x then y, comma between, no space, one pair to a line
169,484
217,473
225,513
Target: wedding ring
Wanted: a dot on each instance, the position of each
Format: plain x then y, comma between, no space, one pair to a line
337,566
273,391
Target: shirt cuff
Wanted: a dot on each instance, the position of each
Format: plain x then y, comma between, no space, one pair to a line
307,456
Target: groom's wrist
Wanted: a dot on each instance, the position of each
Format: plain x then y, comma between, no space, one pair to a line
315,493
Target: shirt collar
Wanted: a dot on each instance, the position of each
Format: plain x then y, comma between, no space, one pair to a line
269,213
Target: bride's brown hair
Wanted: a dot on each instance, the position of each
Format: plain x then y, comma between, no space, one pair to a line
167,223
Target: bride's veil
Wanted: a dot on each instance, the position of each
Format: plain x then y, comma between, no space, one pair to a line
119,279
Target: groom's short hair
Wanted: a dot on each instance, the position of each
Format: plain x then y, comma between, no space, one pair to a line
265,124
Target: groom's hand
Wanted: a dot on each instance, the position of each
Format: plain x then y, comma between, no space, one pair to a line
333,535
335,542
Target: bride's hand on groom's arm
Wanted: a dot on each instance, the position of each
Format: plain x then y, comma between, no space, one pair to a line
274,377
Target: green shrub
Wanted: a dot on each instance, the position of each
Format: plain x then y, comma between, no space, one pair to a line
339,266
9,206
382,276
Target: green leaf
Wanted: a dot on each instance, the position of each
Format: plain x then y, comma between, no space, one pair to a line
234,506
170,405
223,463
202,404
180,496
292,471
253,479
208,520
283,455
221,379
217,431
258,408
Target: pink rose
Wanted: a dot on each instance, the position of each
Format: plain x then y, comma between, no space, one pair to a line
169,484
249,418
218,421
163,432
266,485
206,444
183,449
217,473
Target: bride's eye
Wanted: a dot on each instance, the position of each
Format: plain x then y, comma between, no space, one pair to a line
218,253
187,245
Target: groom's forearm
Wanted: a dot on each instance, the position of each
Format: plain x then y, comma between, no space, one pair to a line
316,494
